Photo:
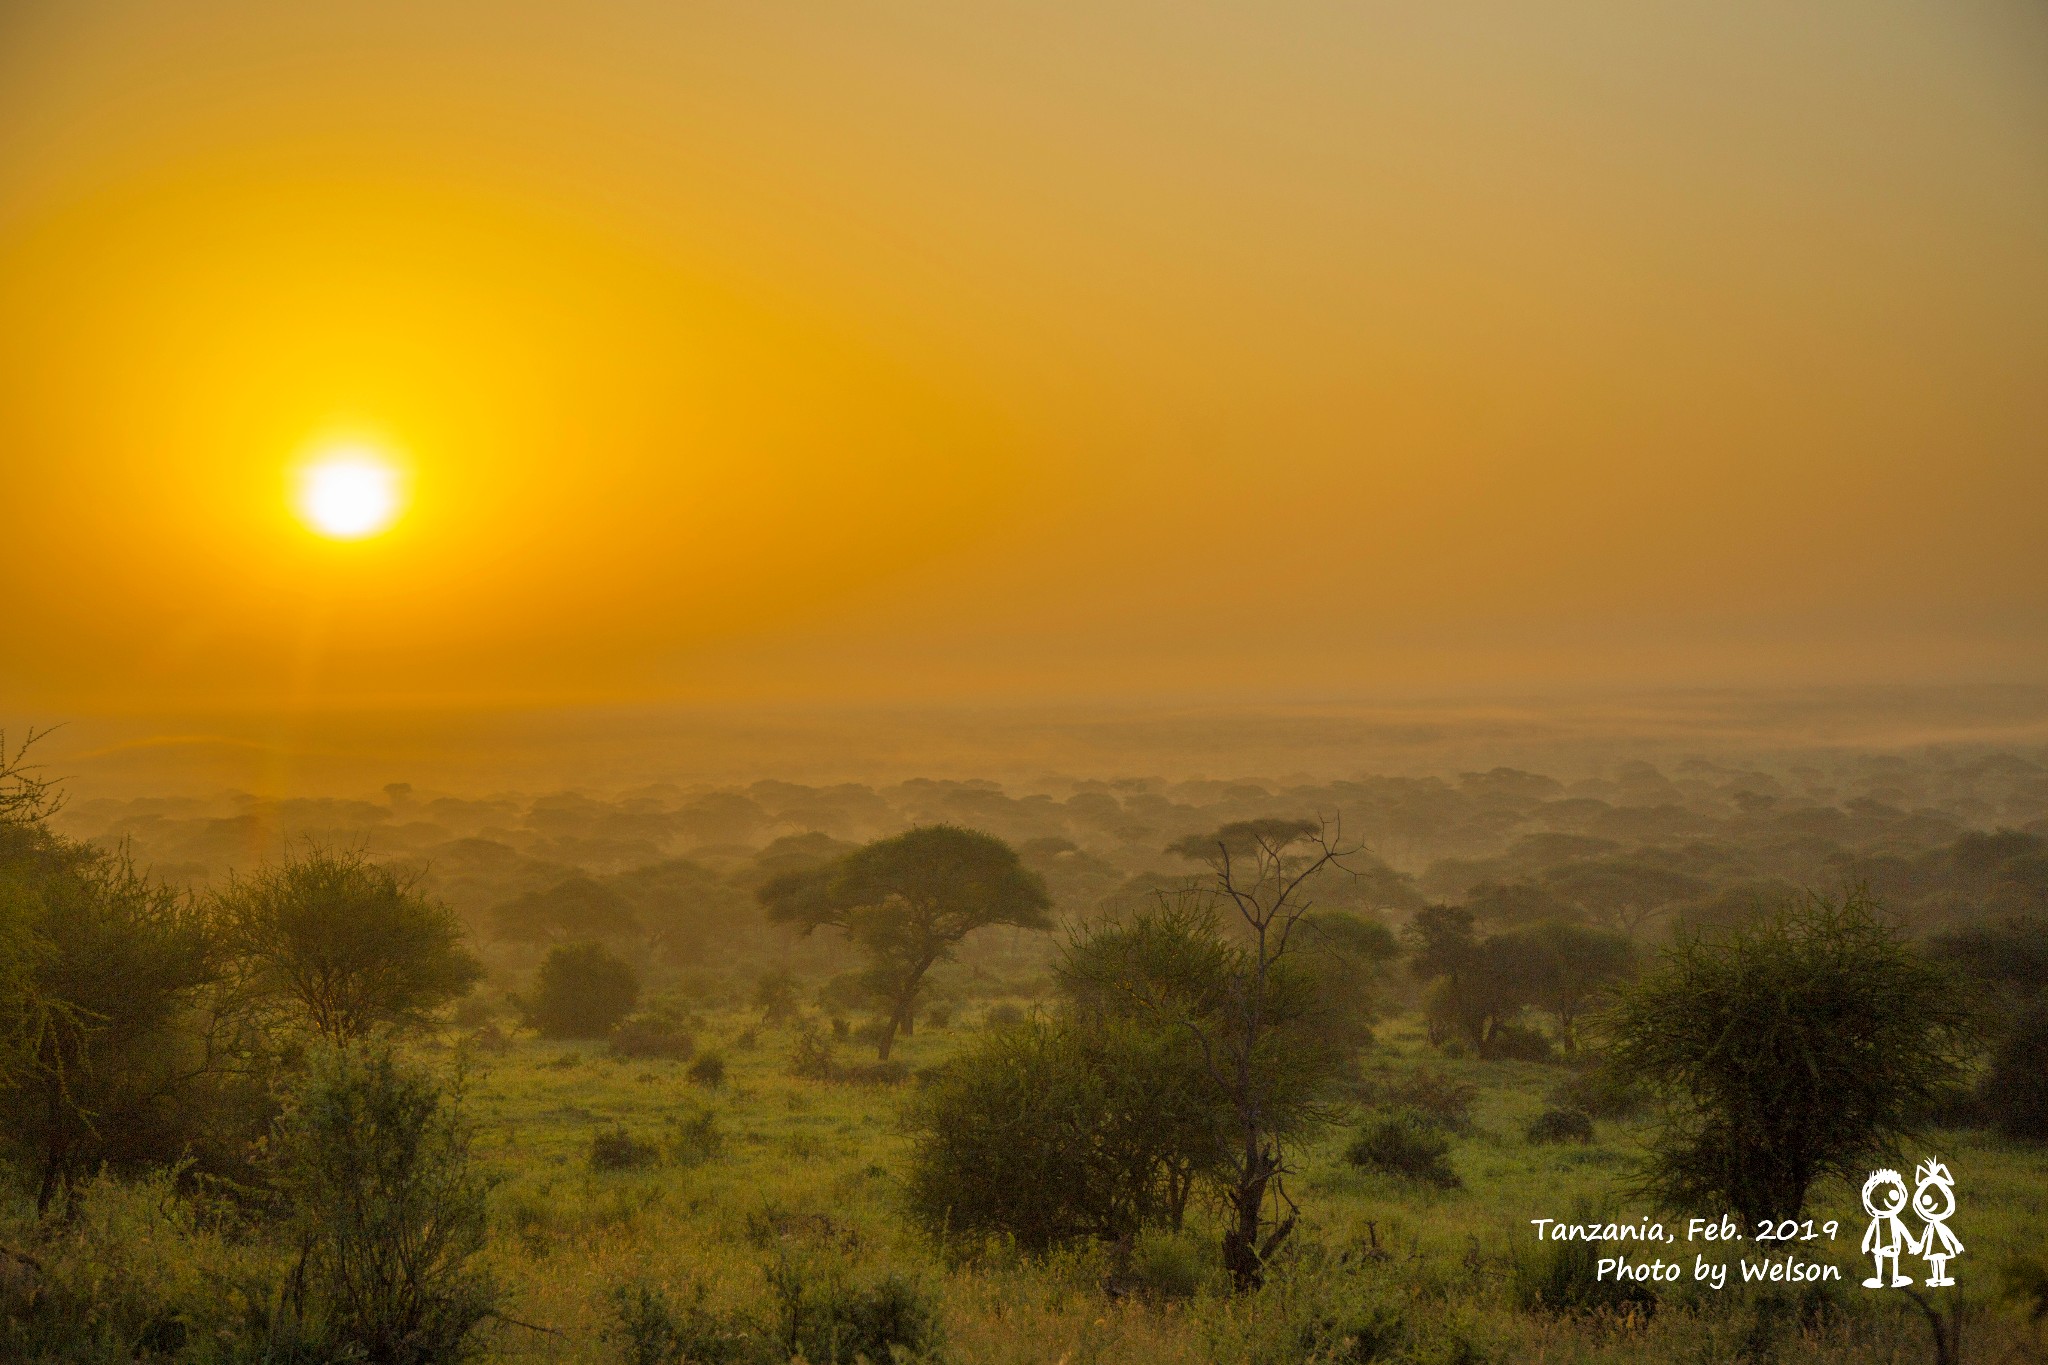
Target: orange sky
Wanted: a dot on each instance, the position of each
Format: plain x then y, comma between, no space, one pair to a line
943,351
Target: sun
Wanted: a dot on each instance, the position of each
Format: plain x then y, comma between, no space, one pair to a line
348,492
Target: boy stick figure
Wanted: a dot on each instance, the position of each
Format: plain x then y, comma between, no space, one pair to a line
1934,1199
1884,1194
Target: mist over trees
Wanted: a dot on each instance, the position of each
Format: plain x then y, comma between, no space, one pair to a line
908,901
1134,1010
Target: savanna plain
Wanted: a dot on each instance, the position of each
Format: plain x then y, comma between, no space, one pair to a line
1069,1071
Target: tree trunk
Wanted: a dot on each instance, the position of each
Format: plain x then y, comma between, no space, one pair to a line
1244,1255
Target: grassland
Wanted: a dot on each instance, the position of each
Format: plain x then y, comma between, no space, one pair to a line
806,1172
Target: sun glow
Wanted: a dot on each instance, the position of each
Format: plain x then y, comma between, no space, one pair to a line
348,492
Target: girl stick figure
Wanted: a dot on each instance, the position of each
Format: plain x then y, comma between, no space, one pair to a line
1934,1199
1884,1194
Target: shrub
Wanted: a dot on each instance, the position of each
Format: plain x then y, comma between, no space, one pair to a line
619,1150
126,1049
775,997
652,1035
1560,1125
373,1163
1407,1145
811,1056
828,1317
1799,1047
939,1016
345,944
892,1072
581,991
1562,1278
650,1328
2014,1091
1002,1015
708,1070
492,1040
1165,1266
1599,1092
1428,1091
130,1268
1048,1133
1373,1332
694,1137
1518,1043
746,1041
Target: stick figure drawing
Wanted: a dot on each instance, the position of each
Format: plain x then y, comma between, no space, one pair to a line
1884,1195
1934,1199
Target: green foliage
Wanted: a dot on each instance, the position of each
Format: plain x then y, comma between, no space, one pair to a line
1275,1008
387,1208
1429,1091
907,902
775,997
2006,964
1166,1266
1560,1125
615,1149
1562,1278
1802,1046
138,1057
1052,1131
582,990
649,1328
1275,1041
708,1070
2023,1278
826,1314
1406,1145
694,1136
343,944
811,1055
2014,1088
660,1036
1480,986
130,1271
1570,970
1600,1092
579,908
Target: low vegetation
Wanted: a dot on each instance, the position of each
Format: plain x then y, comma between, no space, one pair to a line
1236,1113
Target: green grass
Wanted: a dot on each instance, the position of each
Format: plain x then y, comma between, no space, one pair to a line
809,1169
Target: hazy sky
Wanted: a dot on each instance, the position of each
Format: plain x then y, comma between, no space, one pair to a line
954,350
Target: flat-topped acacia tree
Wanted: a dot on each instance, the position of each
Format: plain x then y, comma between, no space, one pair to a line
908,901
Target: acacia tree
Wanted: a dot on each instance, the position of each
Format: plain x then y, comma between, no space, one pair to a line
344,944
1260,1005
118,1072
1574,969
1804,1045
908,901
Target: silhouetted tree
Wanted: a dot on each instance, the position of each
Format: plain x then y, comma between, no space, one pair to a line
372,1165
572,910
1054,1130
908,901
117,1071
1801,1046
1256,1003
1622,893
582,990
344,945
1573,969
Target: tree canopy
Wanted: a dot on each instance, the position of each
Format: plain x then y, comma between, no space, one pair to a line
345,944
1801,1046
907,902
